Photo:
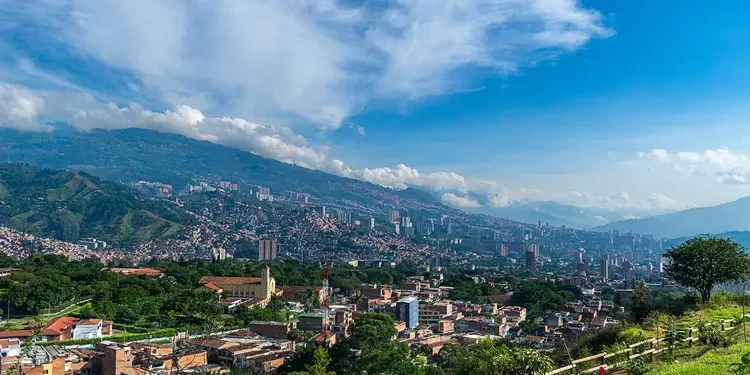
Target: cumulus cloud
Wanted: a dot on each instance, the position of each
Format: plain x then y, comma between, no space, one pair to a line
19,108
724,165
460,201
319,60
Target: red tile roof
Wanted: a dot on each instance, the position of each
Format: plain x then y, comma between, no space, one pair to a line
221,280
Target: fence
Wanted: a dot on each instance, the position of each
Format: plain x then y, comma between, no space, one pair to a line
633,351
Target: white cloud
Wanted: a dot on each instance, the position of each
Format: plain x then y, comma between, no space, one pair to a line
19,108
658,200
722,164
318,60
459,201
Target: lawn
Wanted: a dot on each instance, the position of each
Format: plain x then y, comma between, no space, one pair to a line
715,362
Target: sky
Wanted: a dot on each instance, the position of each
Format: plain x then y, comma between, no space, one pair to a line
621,105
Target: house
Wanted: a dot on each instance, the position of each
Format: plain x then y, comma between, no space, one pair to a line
376,292
276,330
298,293
10,347
142,271
310,322
514,313
74,328
263,287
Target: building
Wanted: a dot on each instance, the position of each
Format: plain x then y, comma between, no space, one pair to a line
244,287
407,311
530,260
266,249
396,228
516,247
432,314
408,230
604,268
10,347
372,223
275,330
503,249
393,215
514,313
220,253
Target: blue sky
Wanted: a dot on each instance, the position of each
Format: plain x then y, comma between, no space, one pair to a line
631,106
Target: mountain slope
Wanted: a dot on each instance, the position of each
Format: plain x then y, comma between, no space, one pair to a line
741,237
138,154
69,206
731,216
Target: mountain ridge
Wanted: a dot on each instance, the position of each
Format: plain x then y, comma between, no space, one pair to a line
138,154
725,217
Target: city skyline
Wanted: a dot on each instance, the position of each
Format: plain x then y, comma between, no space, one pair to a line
585,103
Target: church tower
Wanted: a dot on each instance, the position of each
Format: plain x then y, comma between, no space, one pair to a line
267,283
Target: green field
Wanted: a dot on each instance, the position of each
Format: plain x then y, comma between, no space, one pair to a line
712,363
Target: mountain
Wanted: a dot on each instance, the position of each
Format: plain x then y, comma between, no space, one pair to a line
70,205
731,216
741,237
554,213
137,154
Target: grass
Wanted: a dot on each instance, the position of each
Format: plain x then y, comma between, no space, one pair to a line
712,363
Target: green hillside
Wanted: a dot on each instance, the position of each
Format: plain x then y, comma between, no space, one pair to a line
69,206
136,154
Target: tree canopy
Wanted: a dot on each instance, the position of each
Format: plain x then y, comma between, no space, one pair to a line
705,261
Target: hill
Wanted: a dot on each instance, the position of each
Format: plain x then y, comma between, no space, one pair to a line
741,237
136,154
727,217
69,206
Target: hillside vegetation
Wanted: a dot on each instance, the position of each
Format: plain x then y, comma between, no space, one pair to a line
69,206
136,154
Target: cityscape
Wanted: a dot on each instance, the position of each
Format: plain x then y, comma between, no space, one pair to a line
374,187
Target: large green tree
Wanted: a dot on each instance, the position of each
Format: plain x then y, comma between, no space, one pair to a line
705,261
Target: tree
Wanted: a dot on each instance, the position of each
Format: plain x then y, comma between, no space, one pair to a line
319,365
640,305
673,335
705,261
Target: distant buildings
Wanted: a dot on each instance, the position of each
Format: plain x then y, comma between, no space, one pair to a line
393,215
396,228
407,311
530,260
266,249
92,244
220,253
264,194
372,223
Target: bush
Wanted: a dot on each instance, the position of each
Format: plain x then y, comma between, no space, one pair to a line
637,367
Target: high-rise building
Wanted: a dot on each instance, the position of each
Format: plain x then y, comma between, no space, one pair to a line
266,249
372,223
396,227
407,311
220,253
530,260
516,247
393,215
503,249
604,268
409,230
533,247
429,227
